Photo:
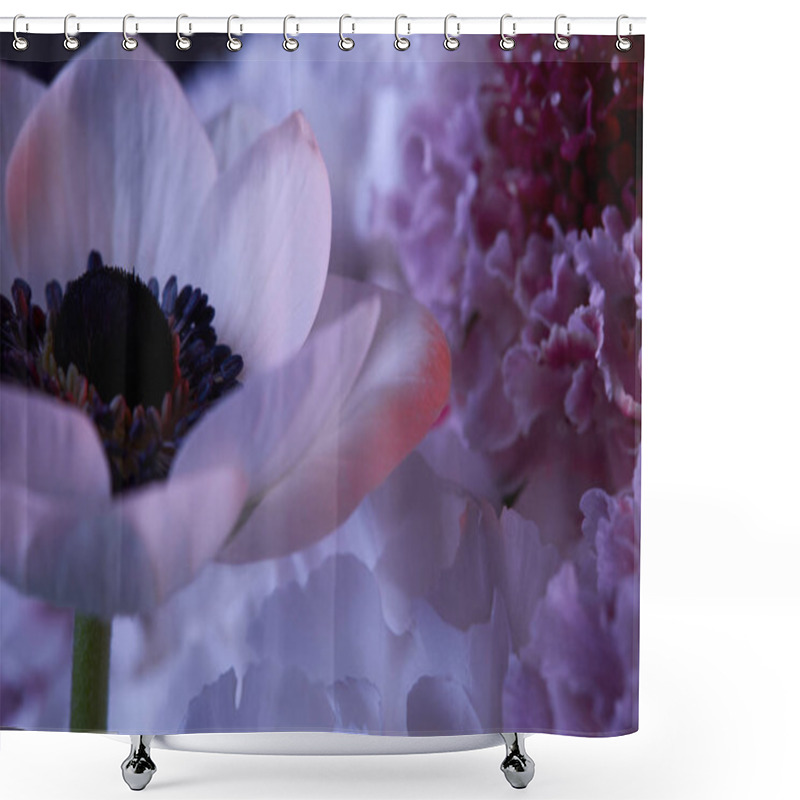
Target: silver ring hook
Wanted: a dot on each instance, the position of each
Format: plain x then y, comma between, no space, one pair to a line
623,44
451,42
128,42
233,44
290,44
345,42
182,42
507,42
400,42
71,43
20,42
561,42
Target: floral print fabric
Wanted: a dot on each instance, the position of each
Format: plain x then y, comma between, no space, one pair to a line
320,385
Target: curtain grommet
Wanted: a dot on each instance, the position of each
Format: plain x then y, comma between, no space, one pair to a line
182,42
290,44
20,43
623,44
345,42
401,43
129,43
451,42
507,42
561,42
71,43
234,44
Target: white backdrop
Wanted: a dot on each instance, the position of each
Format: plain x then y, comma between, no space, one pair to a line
720,536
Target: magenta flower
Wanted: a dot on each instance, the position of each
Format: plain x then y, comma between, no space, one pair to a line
567,125
259,399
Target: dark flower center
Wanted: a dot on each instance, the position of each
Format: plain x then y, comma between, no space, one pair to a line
144,371
112,329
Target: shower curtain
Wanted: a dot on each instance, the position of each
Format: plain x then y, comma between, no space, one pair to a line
320,385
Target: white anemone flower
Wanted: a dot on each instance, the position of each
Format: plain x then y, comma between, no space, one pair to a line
289,395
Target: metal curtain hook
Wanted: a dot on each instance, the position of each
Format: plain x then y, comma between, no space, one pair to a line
290,44
623,44
20,42
561,42
507,42
345,42
128,42
451,42
182,42
400,42
70,42
233,44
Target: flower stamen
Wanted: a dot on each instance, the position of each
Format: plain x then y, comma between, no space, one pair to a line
145,371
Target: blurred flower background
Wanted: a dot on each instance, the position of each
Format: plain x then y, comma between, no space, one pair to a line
491,581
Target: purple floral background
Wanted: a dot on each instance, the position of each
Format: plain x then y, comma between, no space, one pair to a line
393,485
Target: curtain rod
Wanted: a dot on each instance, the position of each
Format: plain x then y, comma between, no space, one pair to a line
245,25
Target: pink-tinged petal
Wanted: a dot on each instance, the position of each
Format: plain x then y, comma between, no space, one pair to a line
113,159
122,556
20,94
318,434
234,131
269,425
262,245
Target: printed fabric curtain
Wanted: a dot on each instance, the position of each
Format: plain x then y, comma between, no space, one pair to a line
320,385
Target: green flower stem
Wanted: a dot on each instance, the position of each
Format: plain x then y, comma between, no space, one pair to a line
91,658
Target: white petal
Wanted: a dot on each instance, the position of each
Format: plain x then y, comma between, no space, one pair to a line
125,556
66,539
112,159
234,131
262,245
318,434
49,447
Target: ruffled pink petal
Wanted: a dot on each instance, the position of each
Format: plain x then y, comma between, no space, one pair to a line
322,431
262,245
20,94
533,386
113,159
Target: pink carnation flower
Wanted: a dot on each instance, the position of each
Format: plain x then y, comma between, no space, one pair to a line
542,314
